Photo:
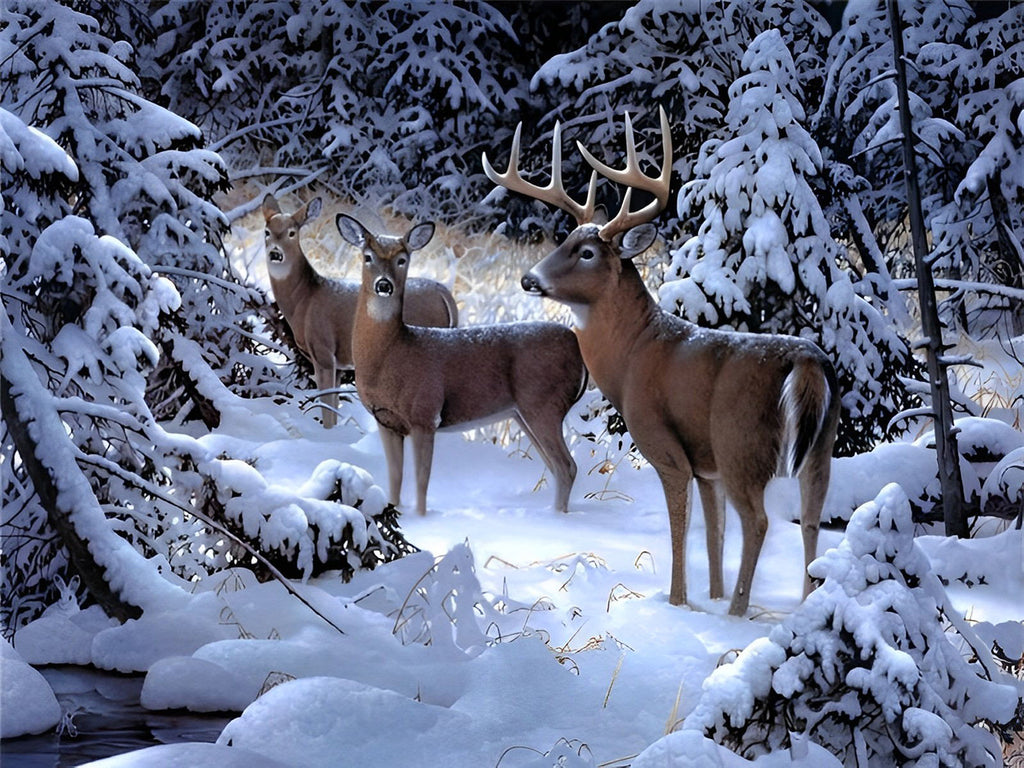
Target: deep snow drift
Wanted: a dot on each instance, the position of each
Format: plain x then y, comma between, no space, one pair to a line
516,633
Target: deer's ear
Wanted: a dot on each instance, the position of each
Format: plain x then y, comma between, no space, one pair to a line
638,240
419,236
351,230
313,208
270,207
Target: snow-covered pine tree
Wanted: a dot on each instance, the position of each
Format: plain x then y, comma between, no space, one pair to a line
249,72
683,56
146,180
389,103
764,258
875,665
37,177
857,123
979,229
451,89
130,502
78,311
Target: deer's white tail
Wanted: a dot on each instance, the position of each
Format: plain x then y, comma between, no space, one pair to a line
804,404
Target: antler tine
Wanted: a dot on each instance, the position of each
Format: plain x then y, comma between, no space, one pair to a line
554,192
634,178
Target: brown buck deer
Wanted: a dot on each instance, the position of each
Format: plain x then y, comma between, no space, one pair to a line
320,310
416,381
727,408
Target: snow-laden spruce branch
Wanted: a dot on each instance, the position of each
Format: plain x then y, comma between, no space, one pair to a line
117,570
945,284
156,492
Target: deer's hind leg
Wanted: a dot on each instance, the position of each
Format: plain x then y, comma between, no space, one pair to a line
814,478
749,503
544,428
712,499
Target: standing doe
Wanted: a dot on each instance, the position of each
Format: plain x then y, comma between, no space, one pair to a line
416,381
320,310
729,409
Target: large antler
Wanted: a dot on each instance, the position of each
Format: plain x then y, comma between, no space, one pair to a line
554,192
634,178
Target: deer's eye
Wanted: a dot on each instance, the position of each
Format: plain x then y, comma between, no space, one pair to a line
587,252
292,232
401,261
266,233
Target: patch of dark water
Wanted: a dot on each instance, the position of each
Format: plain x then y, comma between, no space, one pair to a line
102,718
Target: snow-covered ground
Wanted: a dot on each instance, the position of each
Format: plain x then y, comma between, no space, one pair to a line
516,636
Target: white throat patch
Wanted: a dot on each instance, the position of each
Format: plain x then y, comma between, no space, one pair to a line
381,309
278,270
581,313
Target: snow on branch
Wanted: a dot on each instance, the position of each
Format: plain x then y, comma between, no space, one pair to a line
119,576
945,284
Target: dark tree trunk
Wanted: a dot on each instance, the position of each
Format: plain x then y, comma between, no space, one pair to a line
946,450
91,572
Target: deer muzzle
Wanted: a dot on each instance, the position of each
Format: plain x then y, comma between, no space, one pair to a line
383,287
531,284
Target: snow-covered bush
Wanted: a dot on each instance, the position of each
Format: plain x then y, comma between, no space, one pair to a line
989,449
337,520
875,665
683,56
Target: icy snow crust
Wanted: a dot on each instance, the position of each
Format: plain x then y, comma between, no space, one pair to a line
532,632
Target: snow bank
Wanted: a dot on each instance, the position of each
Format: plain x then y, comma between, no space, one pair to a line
27,703
139,643
858,479
324,719
688,749
550,639
62,635
190,756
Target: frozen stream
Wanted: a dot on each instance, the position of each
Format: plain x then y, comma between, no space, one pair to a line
106,719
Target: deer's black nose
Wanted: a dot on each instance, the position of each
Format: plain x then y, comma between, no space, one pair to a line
531,284
383,287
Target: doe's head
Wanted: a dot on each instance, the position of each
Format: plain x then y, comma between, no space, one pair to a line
385,257
281,234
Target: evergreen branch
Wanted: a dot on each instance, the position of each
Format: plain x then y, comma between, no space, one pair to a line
144,485
1006,291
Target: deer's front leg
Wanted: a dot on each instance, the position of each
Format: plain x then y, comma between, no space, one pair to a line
423,457
393,453
326,381
676,484
749,503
